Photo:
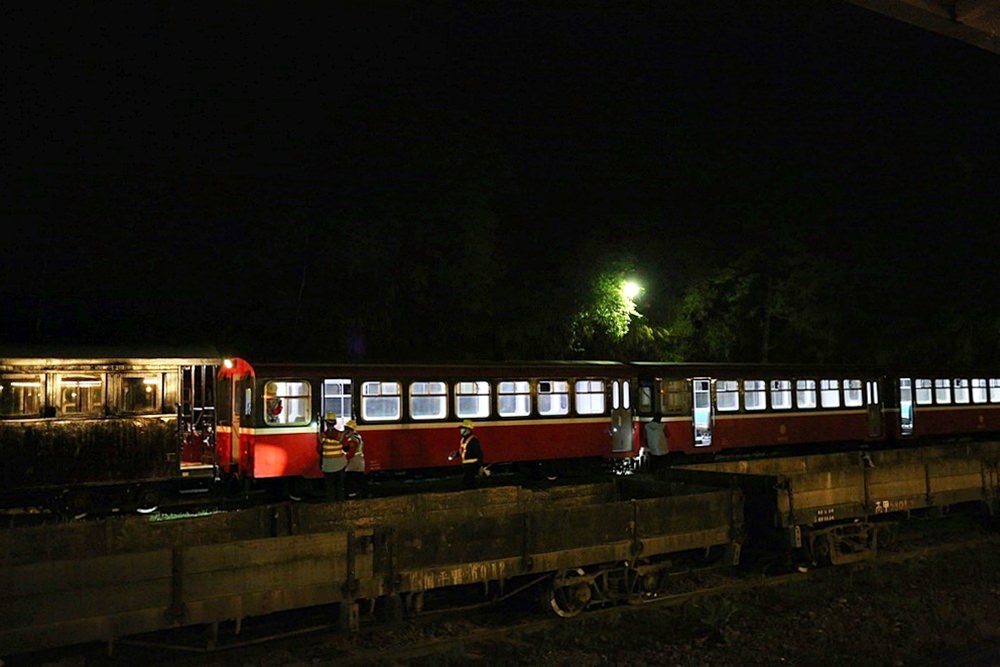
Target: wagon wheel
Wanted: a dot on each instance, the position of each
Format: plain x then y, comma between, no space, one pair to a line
147,499
822,549
569,595
76,503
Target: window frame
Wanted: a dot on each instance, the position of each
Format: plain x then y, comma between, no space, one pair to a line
483,400
584,394
381,397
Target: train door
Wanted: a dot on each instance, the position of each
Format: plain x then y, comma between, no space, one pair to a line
874,403
621,417
701,395
197,420
906,412
242,409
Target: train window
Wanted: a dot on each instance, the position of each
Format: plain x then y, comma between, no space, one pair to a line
754,394
805,394
553,397
428,400
472,399
81,395
994,390
337,398
381,401
924,394
852,394
829,393
727,395
961,390
589,397
287,402
513,399
674,397
979,390
141,394
942,391
21,396
781,394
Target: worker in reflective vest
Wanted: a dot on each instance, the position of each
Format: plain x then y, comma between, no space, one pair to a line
472,455
331,458
354,452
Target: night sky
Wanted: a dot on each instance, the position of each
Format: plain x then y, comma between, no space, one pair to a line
229,173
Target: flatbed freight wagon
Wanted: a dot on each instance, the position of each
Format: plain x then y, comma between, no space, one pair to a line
585,545
836,508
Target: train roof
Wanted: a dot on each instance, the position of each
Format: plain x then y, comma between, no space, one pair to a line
466,368
94,355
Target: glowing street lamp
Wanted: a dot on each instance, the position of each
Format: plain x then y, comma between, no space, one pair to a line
631,289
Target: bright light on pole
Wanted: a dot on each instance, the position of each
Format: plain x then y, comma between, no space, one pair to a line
631,289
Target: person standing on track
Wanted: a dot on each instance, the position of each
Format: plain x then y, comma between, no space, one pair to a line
354,452
471,452
331,458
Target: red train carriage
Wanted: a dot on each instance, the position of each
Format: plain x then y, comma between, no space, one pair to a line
99,429
708,409
269,414
930,404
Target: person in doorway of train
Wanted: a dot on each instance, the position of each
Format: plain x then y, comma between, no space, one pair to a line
354,452
656,443
471,452
332,461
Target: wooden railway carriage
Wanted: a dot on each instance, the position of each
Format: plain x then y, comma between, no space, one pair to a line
102,429
270,414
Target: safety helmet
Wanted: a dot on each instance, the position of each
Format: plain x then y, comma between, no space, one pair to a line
351,424
467,424
331,416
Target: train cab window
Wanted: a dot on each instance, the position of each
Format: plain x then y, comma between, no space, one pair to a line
754,394
428,400
781,394
805,394
829,393
21,396
961,386
381,401
513,398
853,398
979,394
337,398
287,402
924,391
81,395
589,397
472,399
727,395
141,395
994,384
942,391
553,397
644,398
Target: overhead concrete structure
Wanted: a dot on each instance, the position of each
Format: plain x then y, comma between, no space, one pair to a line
974,21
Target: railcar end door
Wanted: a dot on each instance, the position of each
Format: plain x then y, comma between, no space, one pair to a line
874,402
701,394
621,417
